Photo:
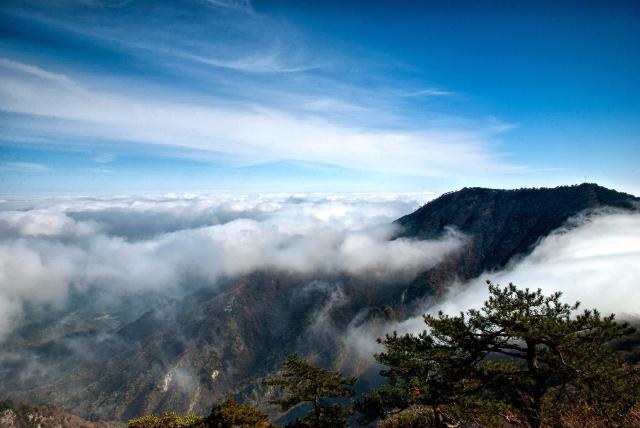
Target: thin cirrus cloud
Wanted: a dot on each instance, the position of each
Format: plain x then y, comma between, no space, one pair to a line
254,133
28,167
231,4
271,63
432,92
246,85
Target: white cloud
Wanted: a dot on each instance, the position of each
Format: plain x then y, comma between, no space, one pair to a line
432,92
231,4
594,259
256,63
134,244
32,70
23,167
40,223
250,132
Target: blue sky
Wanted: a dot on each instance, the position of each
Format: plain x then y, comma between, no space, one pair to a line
113,96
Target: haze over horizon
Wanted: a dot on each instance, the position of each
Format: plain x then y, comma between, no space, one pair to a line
240,96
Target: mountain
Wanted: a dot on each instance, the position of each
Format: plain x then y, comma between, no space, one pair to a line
500,224
186,353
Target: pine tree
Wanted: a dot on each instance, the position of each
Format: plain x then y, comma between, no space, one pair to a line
520,355
231,414
303,382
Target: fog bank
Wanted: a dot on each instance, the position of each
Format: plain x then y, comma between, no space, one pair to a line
140,244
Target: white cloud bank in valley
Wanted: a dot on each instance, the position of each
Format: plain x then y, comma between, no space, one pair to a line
593,259
134,244
161,243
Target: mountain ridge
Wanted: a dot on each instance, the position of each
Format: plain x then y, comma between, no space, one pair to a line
212,344
503,224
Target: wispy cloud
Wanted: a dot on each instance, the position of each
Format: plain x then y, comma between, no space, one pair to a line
230,4
29,167
431,92
254,132
104,158
257,63
32,70
246,86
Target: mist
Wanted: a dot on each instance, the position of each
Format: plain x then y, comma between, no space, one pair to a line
594,259
129,245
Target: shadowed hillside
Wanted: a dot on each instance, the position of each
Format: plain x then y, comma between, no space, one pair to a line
500,224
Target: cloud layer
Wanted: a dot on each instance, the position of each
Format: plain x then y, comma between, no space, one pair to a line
135,244
593,259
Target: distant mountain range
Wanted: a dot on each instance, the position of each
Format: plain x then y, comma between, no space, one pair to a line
185,354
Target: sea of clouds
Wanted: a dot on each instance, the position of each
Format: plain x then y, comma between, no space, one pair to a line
134,244
155,243
594,259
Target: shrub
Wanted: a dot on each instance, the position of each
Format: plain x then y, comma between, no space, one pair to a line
168,420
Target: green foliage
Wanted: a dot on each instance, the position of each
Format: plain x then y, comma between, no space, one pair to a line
231,414
168,420
329,417
303,382
412,417
228,414
523,356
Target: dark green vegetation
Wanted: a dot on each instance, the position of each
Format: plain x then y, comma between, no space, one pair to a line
228,414
167,420
501,224
218,342
302,382
232,414
522,360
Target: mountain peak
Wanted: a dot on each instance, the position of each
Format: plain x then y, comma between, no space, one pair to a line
467,207
501,224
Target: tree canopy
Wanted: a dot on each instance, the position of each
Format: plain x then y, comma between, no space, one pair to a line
168,420
231,414
524,357
303,382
